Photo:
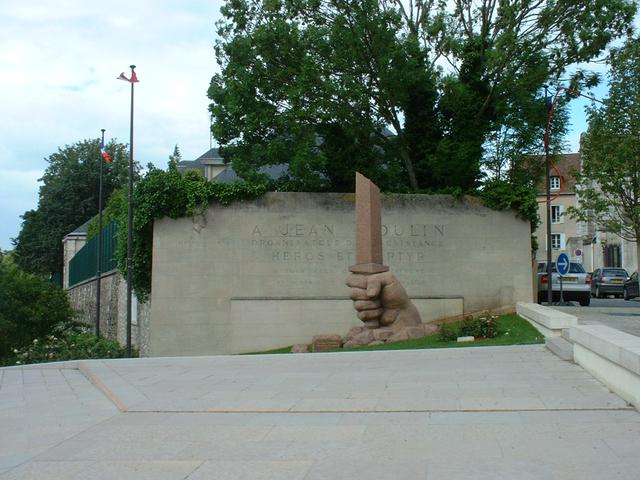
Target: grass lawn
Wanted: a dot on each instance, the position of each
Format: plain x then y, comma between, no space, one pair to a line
512,330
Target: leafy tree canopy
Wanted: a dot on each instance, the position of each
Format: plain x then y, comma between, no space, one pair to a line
29,307
415,94
67,199
609,183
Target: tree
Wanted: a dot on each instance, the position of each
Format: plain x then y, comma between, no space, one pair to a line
175,158
67,199
292,93
29,307
316,84
609,183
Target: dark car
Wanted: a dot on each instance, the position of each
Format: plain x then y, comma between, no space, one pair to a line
630,287
608,281
575,285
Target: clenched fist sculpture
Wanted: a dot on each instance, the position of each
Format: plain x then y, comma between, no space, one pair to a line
381,301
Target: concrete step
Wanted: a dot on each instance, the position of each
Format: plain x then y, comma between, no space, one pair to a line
566,335
561,347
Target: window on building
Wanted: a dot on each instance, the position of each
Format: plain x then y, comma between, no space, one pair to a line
555,183
556,241
557,214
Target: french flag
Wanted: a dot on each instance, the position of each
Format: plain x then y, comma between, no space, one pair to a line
105,155
133,79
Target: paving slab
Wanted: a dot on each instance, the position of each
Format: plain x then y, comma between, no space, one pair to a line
490,378
472,413
41,408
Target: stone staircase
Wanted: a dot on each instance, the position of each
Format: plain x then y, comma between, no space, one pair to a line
553,324
561,345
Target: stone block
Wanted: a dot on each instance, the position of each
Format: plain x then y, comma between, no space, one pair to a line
618,347
469,338
548,321
365,337
382,334
560,347
399,336
322,343
300,348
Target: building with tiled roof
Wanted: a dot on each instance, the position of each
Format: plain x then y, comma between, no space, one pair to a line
580,240
212,166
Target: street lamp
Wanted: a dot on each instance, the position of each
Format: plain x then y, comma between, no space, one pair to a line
551,106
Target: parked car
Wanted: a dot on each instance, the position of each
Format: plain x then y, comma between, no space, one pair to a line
575,284
630,287
608,281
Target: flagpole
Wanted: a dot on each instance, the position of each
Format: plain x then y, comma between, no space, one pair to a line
130,221
99,253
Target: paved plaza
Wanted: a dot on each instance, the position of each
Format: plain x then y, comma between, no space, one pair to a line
472,413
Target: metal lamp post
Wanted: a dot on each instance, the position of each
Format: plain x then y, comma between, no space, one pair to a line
130,219
99,252
550,108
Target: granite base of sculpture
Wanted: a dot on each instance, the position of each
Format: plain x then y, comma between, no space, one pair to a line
379,298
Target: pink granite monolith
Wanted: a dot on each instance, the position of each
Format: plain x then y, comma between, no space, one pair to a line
368,228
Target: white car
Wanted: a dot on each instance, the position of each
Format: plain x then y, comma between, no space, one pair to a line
576,284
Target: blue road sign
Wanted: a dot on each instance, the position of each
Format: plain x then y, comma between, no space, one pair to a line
562,264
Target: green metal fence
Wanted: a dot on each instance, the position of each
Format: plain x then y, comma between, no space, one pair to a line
83,266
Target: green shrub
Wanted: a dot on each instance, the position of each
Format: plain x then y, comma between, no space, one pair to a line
29,307
488,327
68,341
448,332
484,326
481,327
468,328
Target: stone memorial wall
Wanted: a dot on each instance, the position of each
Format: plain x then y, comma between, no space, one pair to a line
268,273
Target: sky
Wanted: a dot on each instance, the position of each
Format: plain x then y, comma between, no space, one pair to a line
58,67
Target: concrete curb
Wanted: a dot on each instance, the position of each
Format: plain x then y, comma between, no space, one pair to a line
611,356
546,320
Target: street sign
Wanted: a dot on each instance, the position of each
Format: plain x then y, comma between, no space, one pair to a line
562,264
578,252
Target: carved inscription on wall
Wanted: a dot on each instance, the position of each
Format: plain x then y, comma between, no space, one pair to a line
320,248
300,248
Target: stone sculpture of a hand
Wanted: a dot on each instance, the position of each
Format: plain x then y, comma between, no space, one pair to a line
380,301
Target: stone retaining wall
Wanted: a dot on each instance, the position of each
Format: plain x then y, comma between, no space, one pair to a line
113,310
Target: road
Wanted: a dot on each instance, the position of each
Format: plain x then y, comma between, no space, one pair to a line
613,312
611,302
